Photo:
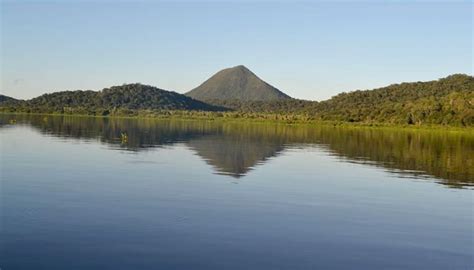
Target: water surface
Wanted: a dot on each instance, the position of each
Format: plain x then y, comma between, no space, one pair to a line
99,193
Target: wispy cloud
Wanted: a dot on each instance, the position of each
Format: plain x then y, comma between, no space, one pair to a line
18,81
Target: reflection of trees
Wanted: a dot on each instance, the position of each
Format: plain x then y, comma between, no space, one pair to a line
447,156
235,148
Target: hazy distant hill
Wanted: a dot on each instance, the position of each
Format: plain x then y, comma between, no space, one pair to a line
4,98
237,83
128,96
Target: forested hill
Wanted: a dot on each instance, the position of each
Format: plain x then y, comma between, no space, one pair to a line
445,101
128,97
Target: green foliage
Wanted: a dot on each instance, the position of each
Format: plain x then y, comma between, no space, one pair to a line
448,101
138,96
282,106
114,100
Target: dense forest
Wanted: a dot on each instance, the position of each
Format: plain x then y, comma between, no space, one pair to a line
447,101
116,99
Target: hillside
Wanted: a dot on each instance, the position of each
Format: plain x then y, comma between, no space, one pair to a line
448,100
4,98
138,96
124,97
236,83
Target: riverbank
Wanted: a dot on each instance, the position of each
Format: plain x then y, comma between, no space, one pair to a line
233,117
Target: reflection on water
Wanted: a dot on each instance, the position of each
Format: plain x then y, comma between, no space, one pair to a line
234,155
236,148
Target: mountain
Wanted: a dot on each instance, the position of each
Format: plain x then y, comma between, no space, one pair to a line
236,83
128,96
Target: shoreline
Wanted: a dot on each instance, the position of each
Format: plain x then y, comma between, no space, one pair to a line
256,120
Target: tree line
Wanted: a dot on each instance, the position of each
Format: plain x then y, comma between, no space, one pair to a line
447,101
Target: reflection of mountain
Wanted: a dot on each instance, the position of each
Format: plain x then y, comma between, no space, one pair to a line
233,155
235,148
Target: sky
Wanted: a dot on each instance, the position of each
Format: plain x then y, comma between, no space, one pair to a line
309,50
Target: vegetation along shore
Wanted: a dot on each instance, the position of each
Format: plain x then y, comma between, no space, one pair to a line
238,94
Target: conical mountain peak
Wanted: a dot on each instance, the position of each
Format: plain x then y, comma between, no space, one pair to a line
236,83
241,68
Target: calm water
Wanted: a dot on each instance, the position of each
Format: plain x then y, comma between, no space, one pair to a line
92,193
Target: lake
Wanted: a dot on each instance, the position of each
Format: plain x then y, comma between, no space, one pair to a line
104,193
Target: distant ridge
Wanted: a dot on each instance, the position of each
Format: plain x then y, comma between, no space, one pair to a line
446,101
4,98
236,83
128,96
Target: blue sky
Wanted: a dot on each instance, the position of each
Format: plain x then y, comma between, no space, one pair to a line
310,50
